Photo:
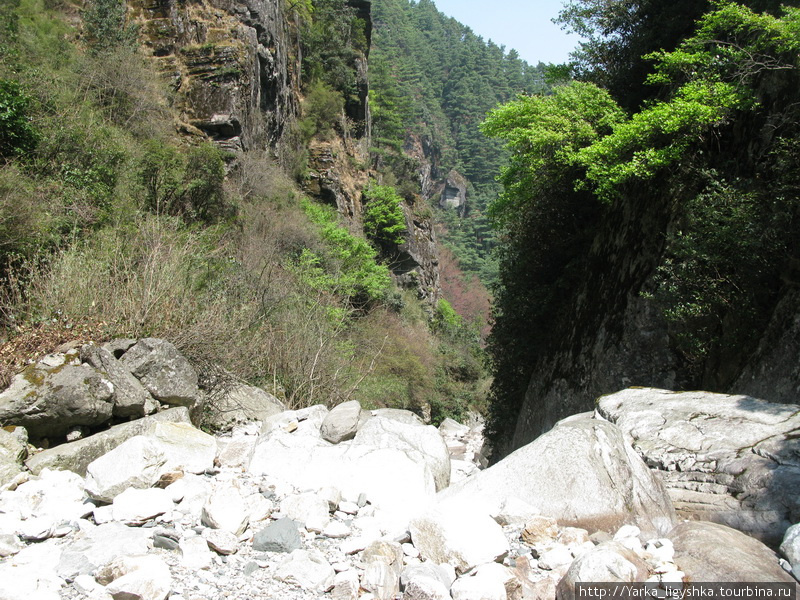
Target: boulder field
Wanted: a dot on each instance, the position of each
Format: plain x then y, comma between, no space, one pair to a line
350,504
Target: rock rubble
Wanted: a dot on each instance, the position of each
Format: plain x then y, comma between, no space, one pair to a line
343,504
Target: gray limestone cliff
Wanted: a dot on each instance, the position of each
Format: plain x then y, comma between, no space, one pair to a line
233,67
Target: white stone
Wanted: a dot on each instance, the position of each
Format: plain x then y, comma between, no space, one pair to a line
306,569
478,587
627,531
381,579
140,578
136,463
31,574
196,554
226,509
345,586
556,557
186,447
260,508
460,536
336,530
581,455
236,452
221,541
332,495
134,507
341,423
514,512
95,546
308,509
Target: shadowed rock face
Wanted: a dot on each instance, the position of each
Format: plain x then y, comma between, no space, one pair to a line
733,460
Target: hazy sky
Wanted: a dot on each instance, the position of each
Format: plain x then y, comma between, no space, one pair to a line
521,24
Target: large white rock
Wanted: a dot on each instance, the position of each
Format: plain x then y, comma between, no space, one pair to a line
341,423
236,452
308,509
421,443
608,562
483,584
723,458
55,495
76,456
345,586
462,536
306,569
137,578
185,447
134,507
195,553
425,582
238,402
94,546
581,473
226,509
31,574
136,463
398,482
382,580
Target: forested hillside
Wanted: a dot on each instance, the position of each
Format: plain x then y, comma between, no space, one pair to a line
649,213
152,159
432,81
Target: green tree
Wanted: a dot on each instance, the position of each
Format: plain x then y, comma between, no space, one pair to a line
17,135
384,221
106,27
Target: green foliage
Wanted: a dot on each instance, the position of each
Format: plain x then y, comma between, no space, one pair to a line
331,45
106,27
690,185
347,265
384,221
323,110
188,184
17,135
545,135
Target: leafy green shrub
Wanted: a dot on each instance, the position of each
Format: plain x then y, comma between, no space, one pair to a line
106,27
384,221
17,135
189,184
349,260
322,110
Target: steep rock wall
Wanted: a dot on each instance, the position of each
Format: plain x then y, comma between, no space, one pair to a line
233,65
611,338
615,336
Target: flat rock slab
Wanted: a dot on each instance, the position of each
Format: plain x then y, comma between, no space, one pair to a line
712,552
733,460
76,456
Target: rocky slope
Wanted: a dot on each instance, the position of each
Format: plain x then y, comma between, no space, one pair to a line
348,503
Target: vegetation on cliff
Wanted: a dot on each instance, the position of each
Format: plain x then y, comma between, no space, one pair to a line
690,123
114,222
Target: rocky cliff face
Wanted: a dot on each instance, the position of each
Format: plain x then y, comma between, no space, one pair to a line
614,335
234,67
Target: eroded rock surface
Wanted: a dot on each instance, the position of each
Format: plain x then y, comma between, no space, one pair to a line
733,460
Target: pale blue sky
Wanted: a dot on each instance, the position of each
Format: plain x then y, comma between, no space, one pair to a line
521,24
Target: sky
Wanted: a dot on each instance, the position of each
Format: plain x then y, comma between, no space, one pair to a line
524,25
